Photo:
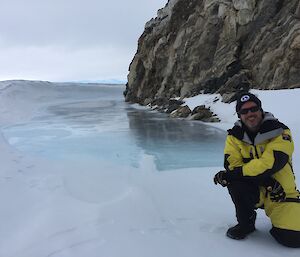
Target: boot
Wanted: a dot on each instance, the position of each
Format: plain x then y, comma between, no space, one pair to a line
240,231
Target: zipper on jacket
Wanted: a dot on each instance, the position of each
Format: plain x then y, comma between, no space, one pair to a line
256,153
251,153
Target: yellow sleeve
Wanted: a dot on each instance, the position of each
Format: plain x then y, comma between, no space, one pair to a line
282,143
233,157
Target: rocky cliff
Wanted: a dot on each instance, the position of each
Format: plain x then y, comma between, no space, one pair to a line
195,46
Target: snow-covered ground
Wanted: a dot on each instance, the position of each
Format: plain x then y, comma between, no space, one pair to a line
53,209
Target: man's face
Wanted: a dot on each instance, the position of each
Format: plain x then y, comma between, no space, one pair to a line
251,117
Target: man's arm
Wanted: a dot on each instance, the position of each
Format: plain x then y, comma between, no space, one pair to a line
232,154
233,159
276,155
274,158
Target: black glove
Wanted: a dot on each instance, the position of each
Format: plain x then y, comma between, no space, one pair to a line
221,178
224,177
275,190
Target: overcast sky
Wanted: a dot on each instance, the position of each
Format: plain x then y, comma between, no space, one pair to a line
71,40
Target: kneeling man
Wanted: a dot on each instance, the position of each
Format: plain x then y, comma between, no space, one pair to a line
259,173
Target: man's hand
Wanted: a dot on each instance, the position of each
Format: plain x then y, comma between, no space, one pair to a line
275,190
221,178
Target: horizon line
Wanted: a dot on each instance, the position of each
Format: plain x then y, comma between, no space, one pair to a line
101,81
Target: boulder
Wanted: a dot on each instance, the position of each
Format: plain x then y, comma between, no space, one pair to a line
204,114
200,108
166,105
181,112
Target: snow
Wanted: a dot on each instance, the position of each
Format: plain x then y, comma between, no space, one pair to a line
59,208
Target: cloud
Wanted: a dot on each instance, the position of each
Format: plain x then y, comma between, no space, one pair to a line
61,64
82,39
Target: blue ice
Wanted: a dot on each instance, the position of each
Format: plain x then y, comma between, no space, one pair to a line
98,124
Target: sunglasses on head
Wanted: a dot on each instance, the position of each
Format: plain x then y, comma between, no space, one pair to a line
251,109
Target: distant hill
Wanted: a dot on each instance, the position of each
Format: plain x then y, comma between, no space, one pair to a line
6,83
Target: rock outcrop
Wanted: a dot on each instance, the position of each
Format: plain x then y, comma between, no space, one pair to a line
196,46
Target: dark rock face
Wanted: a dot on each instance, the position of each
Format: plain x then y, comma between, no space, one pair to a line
196,46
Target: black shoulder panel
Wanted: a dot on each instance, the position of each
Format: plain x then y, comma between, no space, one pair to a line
270,125
237,132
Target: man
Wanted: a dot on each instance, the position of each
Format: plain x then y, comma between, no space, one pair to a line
258,173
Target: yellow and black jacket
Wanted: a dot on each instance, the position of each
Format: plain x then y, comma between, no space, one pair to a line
269,153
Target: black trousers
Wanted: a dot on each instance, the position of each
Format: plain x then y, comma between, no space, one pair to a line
286,237
245,195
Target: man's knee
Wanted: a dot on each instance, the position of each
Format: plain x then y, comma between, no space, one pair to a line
242,189
289,238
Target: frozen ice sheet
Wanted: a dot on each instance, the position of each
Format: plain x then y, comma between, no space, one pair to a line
106,128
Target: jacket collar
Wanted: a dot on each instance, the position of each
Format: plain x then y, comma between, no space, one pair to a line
270,128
